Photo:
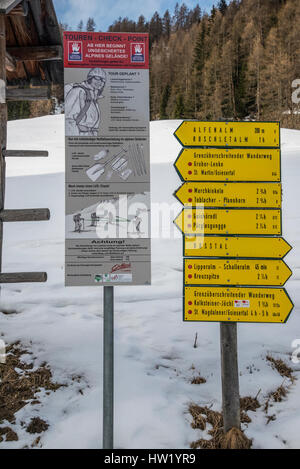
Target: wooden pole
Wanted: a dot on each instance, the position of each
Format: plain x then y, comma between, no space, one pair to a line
230,376
25,154
24,277
3,122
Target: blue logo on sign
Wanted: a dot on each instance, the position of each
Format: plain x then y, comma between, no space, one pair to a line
138,53
75,51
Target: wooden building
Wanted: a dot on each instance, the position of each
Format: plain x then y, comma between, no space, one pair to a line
31,67
33,49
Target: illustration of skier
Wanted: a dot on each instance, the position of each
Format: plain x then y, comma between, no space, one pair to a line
137,222
79,222
82,109
94,219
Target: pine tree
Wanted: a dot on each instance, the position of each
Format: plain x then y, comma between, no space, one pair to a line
179,107
91,25
164,102
155,28
198,65
167,24
236,61
183,16
80,26
141,26
213,12
194,16
175,19
222,6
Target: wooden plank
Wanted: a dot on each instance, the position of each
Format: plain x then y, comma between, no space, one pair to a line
24,277
37,82
10,63
28,94
38,214
7,5
25,154
20,10
36,53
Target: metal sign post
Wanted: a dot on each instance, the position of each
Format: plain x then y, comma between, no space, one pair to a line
107,175
108,368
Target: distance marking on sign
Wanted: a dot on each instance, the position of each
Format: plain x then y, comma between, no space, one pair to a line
228,134
222,304
198,221
211,164
239,194
236,272
235,246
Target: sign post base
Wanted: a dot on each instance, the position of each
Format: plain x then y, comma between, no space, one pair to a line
230,376
108,368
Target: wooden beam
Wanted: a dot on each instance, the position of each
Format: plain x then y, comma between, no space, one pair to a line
7,5
38,214
25,154
10,63
24,277
20,10
36,53
28,94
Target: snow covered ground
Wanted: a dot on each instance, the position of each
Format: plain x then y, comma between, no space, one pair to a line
154,355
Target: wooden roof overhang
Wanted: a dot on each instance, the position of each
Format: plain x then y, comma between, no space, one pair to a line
33,48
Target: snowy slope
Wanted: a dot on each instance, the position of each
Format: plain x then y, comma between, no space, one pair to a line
154,348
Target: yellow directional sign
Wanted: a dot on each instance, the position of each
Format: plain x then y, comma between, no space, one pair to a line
234,194
229,134
211,164
235,272
229,222
223,304
223,246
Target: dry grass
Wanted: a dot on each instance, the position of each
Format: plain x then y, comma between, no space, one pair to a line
202,416
9,434
276,396
19,388
249,403
37,425
198,380
279,394
235,439
283,369
282,391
